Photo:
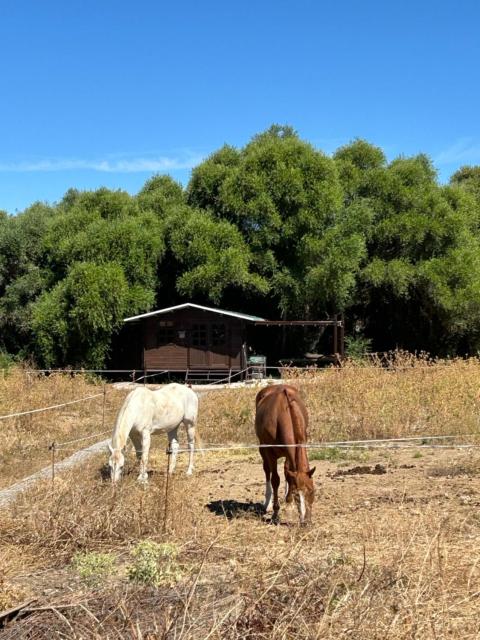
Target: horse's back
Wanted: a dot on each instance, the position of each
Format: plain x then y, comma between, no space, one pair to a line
281,416
182,396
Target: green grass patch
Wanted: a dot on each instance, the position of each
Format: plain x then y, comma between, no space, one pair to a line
338,454
154,564
93,567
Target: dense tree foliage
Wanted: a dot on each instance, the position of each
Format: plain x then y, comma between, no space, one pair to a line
276,228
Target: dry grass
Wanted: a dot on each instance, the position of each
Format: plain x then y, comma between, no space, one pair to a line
25,439
392,558
411,397
389,556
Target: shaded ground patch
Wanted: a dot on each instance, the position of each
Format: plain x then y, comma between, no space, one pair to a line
233,508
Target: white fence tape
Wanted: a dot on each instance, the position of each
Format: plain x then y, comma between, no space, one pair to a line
329,445
61,445
54,406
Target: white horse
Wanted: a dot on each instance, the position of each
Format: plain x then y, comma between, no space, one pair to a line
144,412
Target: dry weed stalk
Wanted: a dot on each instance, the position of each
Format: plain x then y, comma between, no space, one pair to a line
395,556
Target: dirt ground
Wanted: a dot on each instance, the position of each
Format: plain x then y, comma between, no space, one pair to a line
399,529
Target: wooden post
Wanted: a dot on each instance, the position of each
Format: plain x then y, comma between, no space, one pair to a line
165,514
342,337
133,376
103,407
335,336
52,448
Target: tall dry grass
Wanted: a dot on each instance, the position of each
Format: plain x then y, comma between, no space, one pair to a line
393,556
405,396
24,440
383,568
408,397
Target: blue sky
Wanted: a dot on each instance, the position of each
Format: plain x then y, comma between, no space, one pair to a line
106,92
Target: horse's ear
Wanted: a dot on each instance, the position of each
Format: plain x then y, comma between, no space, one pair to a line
110,448
311,472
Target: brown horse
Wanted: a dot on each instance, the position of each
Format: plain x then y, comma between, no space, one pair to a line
282,419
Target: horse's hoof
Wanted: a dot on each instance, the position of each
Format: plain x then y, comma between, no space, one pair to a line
189,472
143,479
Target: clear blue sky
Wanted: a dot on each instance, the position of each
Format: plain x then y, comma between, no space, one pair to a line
107,92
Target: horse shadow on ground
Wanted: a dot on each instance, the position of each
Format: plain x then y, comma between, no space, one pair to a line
233,509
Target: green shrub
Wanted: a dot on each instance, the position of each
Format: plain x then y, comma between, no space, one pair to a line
93,567
6,361
357,347
154,563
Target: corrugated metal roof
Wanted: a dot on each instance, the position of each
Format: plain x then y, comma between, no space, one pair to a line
234,314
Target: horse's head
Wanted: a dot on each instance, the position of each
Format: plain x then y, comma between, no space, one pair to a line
116,463
301,489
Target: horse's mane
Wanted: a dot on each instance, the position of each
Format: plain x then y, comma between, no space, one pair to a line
118,429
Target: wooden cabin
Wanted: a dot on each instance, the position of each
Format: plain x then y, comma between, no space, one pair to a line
207,343
190,337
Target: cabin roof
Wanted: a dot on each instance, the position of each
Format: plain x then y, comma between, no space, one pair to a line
224,312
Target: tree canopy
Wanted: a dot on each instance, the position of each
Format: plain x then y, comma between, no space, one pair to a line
276,227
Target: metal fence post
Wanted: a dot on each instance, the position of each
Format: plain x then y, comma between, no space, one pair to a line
52,448
165,514
103,407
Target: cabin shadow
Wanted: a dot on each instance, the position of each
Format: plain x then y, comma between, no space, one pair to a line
233,509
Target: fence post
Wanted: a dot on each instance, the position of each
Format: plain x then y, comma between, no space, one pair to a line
52,448
165,514
103,407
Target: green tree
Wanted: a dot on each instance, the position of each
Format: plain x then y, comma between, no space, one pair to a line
73,322
468,178
101,250
23,275
285,198
412,291
213,256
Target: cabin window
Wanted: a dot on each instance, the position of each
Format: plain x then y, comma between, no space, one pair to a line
199,335
218,335
165,334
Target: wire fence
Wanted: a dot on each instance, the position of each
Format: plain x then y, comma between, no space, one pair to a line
50,408
425,441
282,368
64,444
378,442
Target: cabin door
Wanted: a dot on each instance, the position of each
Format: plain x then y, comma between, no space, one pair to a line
209,346
219,345
198,351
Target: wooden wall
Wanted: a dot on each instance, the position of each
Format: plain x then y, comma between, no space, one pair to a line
193,339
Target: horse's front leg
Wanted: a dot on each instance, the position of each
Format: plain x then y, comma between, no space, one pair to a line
267,505
143,476
275,485
191,445
173,446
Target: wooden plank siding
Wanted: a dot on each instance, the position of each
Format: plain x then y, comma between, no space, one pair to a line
193,339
